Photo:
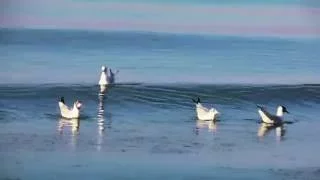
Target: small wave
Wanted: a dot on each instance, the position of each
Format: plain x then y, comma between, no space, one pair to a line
174,95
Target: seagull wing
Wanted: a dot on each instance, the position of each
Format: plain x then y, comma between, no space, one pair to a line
266,116
63,108
202,107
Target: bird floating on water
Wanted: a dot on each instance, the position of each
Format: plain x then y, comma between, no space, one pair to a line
70,113
107,77
204,113
270,118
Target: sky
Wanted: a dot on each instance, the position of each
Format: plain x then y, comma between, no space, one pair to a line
245,17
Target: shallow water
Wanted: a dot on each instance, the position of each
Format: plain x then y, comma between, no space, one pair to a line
151,131
145,127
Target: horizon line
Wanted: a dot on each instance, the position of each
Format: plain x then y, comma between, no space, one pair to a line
204,34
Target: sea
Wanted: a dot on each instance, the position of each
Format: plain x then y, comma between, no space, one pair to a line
144,126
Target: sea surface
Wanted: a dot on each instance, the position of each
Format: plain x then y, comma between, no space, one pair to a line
144,126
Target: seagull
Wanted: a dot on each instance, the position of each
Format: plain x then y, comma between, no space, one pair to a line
103,82
70,113
107,77
270,118
204,113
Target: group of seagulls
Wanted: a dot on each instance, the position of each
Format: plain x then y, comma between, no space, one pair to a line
269,121
211,114
107,78
203,113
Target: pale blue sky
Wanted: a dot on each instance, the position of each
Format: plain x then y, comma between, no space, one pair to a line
215,2
276,17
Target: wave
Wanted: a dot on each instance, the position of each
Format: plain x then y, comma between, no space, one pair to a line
174,94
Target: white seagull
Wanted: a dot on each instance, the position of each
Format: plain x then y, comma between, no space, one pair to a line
204,113
270,118
103,82
107,77
70,113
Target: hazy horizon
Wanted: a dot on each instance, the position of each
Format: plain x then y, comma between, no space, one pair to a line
274,18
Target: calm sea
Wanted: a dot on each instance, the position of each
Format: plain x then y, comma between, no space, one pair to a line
145,127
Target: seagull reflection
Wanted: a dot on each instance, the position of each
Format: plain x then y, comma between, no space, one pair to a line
100,116
103,88
265,128
73,125
100,120
211,125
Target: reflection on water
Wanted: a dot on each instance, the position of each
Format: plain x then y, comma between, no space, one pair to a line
100,116
72,125
265,128
103,88
101,120
280,132
211,125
